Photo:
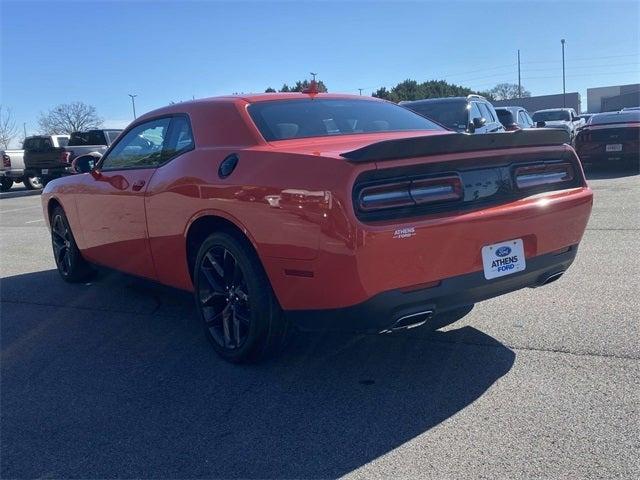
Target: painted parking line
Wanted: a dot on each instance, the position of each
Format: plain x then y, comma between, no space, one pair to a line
34,221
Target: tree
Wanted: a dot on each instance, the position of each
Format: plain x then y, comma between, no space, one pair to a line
508,91
412,90
8,130
67,118
298,87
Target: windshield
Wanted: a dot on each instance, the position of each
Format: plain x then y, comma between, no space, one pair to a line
453,115
551,116
629,116
281,120
505,117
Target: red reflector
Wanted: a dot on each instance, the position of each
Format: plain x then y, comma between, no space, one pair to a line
544,174
64,156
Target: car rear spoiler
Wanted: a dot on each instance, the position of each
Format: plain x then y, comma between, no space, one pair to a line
455,143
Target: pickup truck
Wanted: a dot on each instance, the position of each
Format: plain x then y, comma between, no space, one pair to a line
563,118
48,161
12,168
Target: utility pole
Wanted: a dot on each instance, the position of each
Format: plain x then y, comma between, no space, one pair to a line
24,128
360,90
133,103
564,90
519,84
314,76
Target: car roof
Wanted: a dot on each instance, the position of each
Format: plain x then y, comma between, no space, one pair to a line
553,109
245,98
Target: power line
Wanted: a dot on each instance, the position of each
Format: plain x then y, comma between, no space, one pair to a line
585,58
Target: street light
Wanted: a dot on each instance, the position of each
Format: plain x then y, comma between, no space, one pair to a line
133,103
564,90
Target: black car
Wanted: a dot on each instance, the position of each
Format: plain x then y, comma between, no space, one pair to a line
470,114
514,118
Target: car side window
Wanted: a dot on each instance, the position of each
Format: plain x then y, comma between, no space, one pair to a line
475,111
180,138
141,147
522,119
487,113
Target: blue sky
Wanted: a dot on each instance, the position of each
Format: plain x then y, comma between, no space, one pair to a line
98,52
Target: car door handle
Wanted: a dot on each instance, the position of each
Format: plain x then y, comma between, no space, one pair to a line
137,186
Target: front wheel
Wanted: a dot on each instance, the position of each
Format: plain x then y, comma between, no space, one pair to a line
32,183
241,316
5,184
71,266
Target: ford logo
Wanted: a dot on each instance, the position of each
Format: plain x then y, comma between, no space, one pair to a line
503,251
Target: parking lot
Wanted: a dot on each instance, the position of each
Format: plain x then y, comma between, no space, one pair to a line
114,378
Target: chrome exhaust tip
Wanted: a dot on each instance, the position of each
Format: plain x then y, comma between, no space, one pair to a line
407,322
552,278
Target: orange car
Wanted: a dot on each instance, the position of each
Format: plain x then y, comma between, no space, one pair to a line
319,210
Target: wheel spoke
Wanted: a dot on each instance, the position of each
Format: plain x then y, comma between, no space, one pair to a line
214,263
236,328
241,317
207,297
226,316
214,283
229,266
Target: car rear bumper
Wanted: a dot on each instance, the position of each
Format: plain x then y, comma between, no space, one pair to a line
401,308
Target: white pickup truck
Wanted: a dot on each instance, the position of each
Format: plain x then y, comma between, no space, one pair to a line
563,118
12,166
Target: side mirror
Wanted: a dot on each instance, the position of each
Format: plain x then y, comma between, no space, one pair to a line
85,163
479,122
541,124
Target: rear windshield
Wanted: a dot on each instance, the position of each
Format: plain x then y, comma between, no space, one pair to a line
112,135
92,137
552,116
280,120
62,141
454,115
505,117
622,117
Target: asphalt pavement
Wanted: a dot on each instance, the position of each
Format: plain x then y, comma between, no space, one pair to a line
114,378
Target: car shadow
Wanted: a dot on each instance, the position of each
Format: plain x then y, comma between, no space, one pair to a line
114,378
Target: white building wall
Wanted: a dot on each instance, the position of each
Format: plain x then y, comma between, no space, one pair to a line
595,96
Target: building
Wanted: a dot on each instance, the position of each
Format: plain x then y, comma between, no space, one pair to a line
613,98
531,104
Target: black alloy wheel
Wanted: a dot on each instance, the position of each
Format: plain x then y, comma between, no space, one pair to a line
240,313
224,298
71,266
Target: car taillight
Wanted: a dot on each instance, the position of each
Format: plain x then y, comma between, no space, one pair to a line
530,176
6,161
411,192
65,156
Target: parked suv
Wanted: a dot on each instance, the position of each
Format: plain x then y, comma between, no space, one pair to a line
514,118
471,114
564,118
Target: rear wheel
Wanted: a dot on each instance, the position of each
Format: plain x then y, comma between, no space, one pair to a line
5,184
241,316
71,266
32,183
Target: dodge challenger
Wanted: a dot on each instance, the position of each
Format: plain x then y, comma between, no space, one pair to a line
319,211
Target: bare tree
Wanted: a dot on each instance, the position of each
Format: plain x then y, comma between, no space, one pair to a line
8,130
508,91
67,118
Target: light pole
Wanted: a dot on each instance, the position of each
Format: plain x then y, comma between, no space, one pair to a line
519,84
24,128
133,103
564,90
360,90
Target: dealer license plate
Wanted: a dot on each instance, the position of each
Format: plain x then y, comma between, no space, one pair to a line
503,258
614,147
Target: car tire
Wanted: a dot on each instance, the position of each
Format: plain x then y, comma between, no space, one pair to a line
239,311
71,266
5,184
32,183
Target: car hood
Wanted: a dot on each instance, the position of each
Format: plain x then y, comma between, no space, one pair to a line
558,123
